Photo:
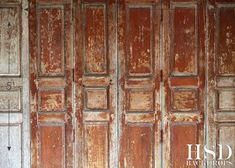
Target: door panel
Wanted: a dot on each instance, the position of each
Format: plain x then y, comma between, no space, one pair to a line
51,83
221,74
51,144
139,81
95,84
140,145
15,154
14,107
183,53
10,39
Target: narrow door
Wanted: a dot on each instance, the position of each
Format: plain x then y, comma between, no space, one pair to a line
95,84
51,83
139,83
221,76
14,106
184,75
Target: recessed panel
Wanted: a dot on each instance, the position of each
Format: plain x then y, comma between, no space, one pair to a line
9,41
97,145
139,41
181,135
226,100
95,39
52,146
139,145
226,41
51,41
184,100
226,136
225,81
184,41
12,158
140,100
96,98
10,100
52,100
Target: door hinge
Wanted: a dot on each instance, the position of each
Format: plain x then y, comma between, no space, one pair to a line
161,75
73,135
161,134
73,74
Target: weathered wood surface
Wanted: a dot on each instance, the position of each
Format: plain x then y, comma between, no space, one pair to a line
124,83
14,85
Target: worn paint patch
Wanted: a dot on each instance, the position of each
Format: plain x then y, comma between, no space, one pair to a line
226,135
140,101
181,135
52,146
139,146
226,100
184,100
184,45
50,100
12,158
95,39
51,41
226,41
139,60
96,98
10,100
97,145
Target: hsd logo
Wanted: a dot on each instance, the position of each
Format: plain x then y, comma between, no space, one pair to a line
218,159
209,152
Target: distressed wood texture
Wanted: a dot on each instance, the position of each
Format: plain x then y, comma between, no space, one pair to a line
184,75
14,123
139,81
95,84
221,74
10,40
51,83
118,83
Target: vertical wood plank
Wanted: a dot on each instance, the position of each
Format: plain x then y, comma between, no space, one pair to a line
14,104
184,78
95,84
220,74
139,83
51,83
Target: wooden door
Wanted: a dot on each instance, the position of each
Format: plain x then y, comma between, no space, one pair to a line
221,75
122,83
139,83
51,83
14,87
184,75
95,84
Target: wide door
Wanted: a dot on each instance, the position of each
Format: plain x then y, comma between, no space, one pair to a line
14,85
51,83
